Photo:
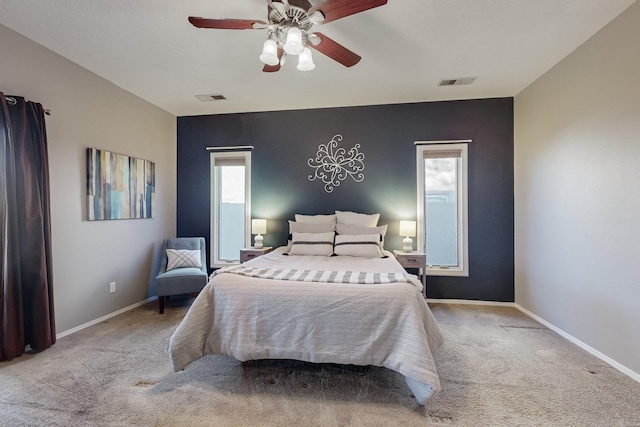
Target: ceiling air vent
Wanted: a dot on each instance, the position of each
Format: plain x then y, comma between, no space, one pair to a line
457,82
211,97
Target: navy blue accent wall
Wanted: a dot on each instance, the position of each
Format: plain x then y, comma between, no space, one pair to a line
285,140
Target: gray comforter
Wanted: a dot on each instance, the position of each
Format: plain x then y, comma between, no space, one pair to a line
385,324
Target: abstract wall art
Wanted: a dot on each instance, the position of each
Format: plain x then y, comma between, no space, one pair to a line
333,164
119,186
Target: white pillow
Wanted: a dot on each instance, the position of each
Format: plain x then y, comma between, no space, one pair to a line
312,243
311,227
356,229
316,219
363,220
360,245
182,258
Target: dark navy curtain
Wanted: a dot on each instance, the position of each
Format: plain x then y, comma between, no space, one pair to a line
26,286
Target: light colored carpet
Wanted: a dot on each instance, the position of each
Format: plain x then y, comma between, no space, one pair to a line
497,366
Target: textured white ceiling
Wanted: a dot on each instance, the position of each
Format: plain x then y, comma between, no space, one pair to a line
148,48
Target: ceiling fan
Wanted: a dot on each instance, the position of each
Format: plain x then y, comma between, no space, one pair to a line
288,30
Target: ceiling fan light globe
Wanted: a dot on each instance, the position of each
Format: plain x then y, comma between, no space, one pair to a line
269,54
293,45
305,60
269,60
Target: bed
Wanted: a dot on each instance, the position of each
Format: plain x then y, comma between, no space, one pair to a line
350,310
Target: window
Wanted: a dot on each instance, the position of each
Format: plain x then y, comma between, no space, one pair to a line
442,169
230,205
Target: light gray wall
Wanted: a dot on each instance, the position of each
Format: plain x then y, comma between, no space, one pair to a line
577,203
89,111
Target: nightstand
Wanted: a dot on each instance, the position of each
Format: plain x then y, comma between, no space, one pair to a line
414,260
247,254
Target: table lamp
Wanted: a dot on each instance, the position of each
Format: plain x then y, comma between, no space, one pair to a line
407,229
259,227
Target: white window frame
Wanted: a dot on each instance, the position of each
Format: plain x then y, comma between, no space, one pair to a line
240,153
463,204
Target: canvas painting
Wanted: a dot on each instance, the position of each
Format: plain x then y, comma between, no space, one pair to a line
119,186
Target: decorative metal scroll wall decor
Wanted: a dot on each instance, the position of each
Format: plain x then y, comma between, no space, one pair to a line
332,165
119,186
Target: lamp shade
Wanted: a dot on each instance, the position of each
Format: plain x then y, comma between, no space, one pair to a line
293,45
269,54
259,226
408,228
305,60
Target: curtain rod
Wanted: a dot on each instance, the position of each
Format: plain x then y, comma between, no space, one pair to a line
231,148
11,100
448,141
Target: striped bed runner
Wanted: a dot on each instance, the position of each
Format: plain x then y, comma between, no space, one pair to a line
326,276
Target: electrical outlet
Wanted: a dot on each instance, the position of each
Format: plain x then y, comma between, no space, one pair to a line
112,287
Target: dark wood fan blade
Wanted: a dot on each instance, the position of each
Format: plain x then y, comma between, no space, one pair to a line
336,9
227,24
335,51
274,68
271,68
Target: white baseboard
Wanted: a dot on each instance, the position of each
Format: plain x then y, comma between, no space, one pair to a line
586,347
103,318
574,340
470,302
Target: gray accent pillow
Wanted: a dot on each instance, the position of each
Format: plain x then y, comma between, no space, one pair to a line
182,258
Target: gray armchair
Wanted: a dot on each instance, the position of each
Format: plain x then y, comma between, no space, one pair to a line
181,280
